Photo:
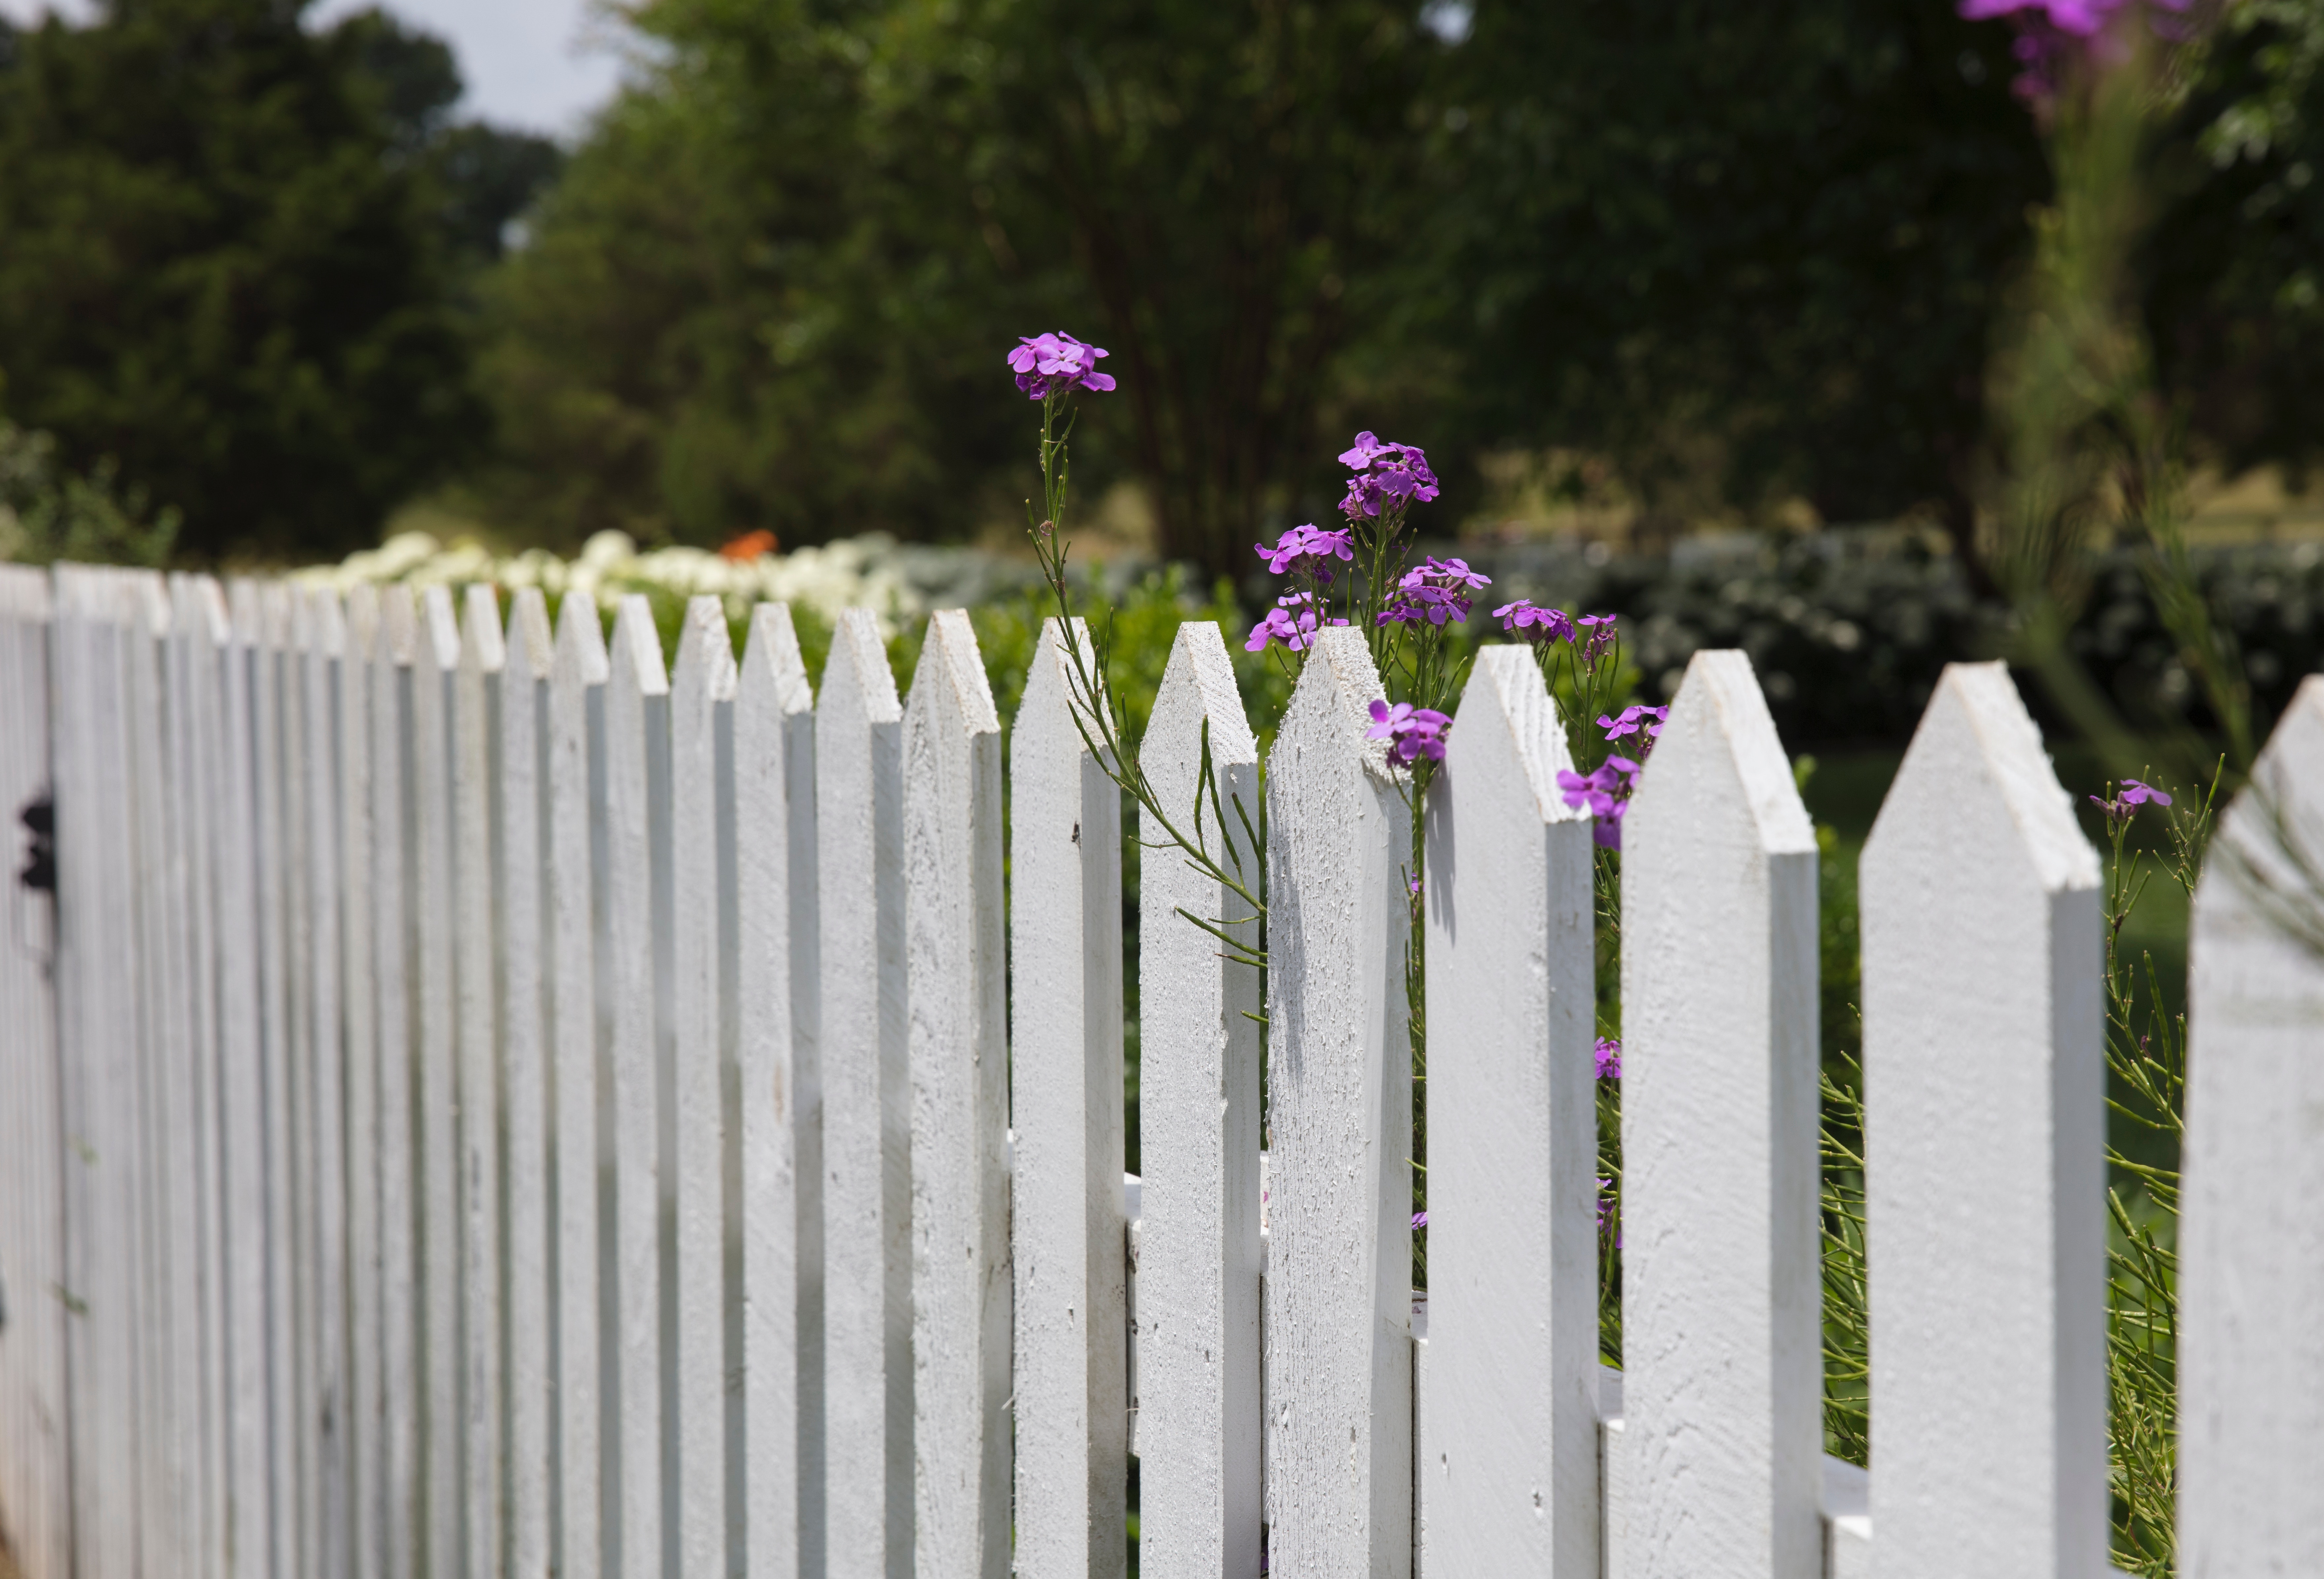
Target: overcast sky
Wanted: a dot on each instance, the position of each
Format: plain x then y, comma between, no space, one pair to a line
542,64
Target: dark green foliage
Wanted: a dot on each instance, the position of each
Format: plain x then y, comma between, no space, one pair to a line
230,265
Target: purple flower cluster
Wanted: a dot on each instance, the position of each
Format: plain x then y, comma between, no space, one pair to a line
1609,1221
1291,621
1050,364
1435,592
1607,792
2053,31
1610,1059
1387,477
2133,795
1411,732
1308,550
1646,722
1526,619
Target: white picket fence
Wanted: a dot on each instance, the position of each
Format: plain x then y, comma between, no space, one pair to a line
479,1104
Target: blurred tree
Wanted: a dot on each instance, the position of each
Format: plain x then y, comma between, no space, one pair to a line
776,287
229,270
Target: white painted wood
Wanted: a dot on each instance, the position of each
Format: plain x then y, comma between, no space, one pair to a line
34,1482
358,836
395,778
780,1101
1198,1382
2251,1354
1985,1092
957,969
1509,1430
322,655
637,715
525,857
866,1110
703,680
581,1042
1072,1451
100,1096
482,662
1720,1285
1339,1316
435,962
198,641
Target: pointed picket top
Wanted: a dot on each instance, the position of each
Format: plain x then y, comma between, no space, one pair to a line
868,1375
956,963
1339,1309
581,657
277,614
1197,1399
771,661
399,626
532,645
2251,1244
1512,1242
1718,1202
24,593
705,652
1073,1401
363,610
1985,1087
326,622
438,631
482,647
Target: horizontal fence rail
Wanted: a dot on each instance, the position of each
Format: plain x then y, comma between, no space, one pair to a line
475,1102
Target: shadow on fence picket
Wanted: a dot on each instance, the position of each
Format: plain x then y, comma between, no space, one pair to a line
479,1104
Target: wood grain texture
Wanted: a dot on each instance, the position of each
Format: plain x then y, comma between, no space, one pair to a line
1339,1287
1508,1415
581,1048
1984,1102
866,1109
1197,1394
525,855
637,737
2251,1354
1072,1363
1720,1284
702,684
779,1102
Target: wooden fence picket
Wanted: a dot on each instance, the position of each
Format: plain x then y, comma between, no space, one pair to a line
522,789
1508,1477
1985,1092
770,997
35,1485
475,749
1339,1310
581,1046
1198,1276
866,1109
2251,1273
701,686
351,768
637,737
956,970
1068,1227
1720,1294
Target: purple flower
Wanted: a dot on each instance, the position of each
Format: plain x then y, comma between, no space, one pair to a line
1435,592
1606,791
1596,633
1050,364
1388,476
2133,794
1610,1059
1524,618
1291,621
2053,31
1420,1219
1308,550
1412,733
1646,722
1609,1218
